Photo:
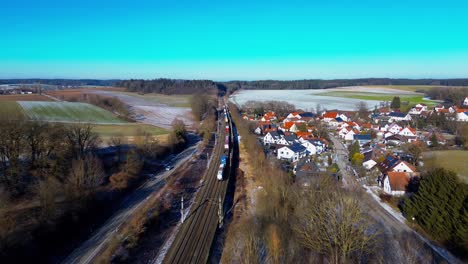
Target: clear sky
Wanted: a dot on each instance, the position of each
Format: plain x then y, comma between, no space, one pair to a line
226,40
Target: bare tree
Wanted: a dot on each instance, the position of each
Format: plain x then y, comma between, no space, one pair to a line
80,139
85,176
333,225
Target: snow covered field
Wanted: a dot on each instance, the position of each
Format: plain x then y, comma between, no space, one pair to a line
308,99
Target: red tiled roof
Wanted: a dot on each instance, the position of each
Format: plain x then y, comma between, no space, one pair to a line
398,180
288,125
330,115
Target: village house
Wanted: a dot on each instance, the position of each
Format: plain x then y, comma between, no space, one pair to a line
462,115
418,109
465,101
329,116
395,183
274,137
310,147
362,139
292,153
398,116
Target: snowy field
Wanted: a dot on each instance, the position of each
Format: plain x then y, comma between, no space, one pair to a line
308,99
149,111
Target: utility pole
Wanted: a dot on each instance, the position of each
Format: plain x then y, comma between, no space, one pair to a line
182,218
220,213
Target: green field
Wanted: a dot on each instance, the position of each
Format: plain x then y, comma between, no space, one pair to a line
170,100
130,129
10,110
412,99
455,160
68,112
410,88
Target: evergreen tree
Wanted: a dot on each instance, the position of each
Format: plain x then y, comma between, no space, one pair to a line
396,103
440,207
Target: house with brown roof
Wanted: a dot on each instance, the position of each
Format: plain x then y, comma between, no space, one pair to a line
395,183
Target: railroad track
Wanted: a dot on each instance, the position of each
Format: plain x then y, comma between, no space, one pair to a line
195,237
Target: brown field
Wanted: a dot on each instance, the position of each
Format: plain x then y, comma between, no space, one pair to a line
76,94
24,97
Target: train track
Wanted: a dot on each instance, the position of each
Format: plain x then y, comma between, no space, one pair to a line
195,237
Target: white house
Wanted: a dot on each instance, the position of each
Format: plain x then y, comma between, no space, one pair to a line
465,102
310,147
291,153
393,128
343,117
350,135
408,132
398,116
294,115
462,117
329,116
274,137
395,183
403,166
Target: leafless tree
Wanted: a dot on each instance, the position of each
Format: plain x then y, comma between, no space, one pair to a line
333,225
85,176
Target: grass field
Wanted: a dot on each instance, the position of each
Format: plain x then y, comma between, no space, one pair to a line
130,129
170,100
68,112
412,99
11,111
455,160
24,97
409,88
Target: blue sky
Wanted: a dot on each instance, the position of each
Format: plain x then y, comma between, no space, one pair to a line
208,39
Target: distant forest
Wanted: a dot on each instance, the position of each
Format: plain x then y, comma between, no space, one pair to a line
172,86
323,84
60,82
169,86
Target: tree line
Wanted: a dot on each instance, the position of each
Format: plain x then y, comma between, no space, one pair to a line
169,86
55,183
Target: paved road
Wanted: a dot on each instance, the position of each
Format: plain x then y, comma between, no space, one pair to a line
88,250
389,223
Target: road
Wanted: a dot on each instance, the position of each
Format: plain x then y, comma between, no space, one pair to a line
194,239
88,250
392,226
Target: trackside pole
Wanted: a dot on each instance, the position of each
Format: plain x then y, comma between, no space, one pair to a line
182,218
220,213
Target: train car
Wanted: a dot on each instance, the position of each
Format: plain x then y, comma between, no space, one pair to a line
219,176
223,160
227,128
226,143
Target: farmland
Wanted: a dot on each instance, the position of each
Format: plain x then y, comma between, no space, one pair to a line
170,100
130,129
412,99
10,110
450,159
343,98
24,97
68,112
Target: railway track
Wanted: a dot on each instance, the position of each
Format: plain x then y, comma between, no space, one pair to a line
195,237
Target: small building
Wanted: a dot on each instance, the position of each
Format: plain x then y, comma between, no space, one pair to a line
395,183
291,153
362,139
398,116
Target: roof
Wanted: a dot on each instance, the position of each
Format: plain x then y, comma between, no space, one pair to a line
362,137
413,168
397,114
297,147
398,180
276,134
290,137
304,135
288,125
339,119
330,115
307,114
